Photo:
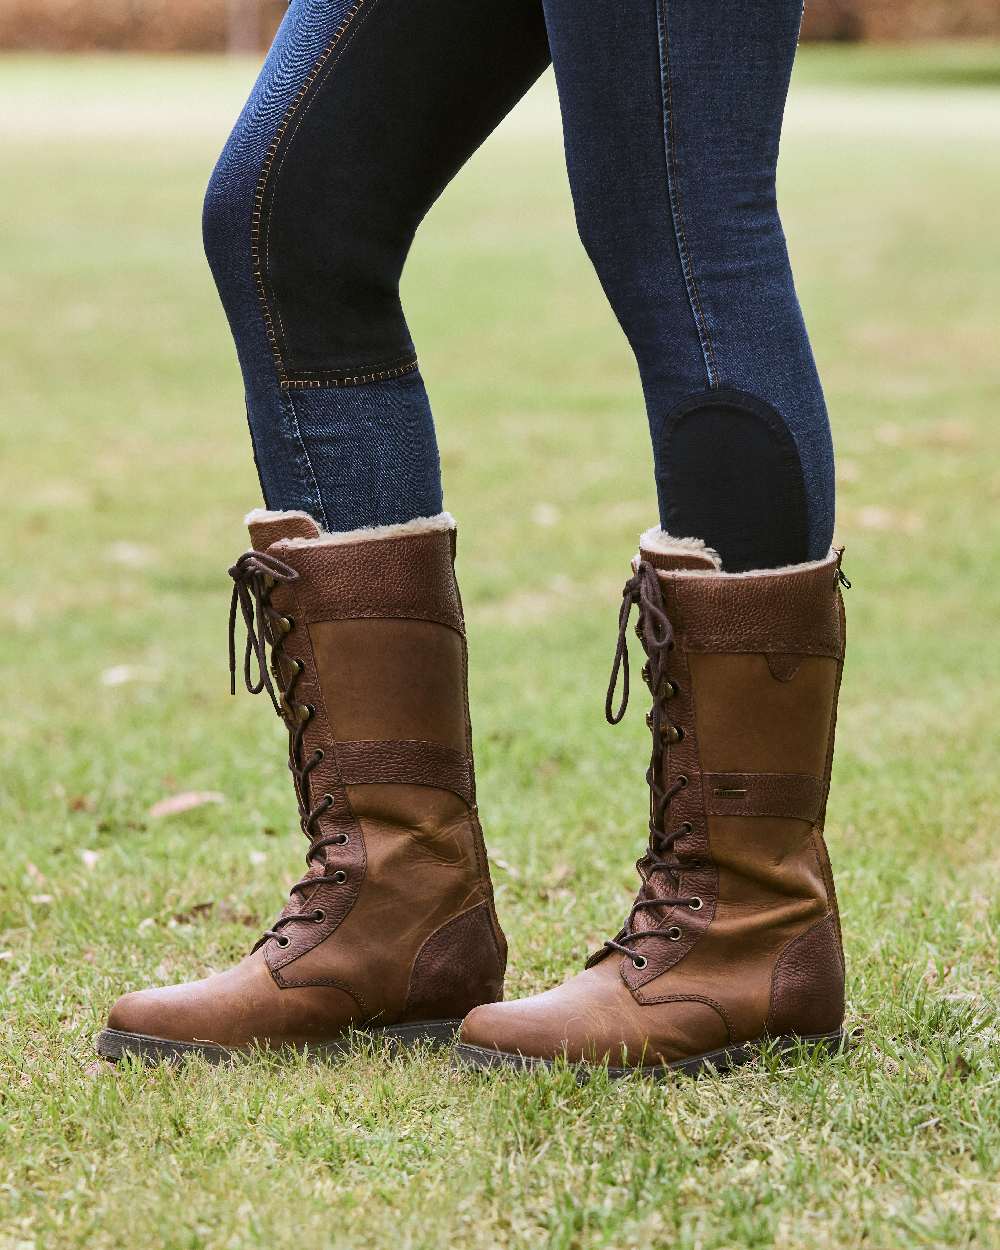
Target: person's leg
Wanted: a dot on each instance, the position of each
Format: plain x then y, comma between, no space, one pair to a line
672,110
362,113
357,636
672,113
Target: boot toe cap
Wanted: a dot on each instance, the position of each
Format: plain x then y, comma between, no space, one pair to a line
149,1013
531,1027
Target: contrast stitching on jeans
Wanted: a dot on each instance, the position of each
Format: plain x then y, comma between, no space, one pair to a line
330,378
260,190
676,206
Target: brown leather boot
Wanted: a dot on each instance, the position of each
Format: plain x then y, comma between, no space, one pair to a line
392,929
734,938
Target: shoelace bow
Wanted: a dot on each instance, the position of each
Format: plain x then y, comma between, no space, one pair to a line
643,590
254,575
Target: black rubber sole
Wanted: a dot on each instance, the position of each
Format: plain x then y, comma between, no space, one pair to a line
113,1044
484,1059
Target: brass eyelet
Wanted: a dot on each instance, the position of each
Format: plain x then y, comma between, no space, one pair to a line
283,941
319,915
639,962
319,755
341,839
284,624
339,877
682,780
670,689
696,904
304,712
674,933
686,827
671,733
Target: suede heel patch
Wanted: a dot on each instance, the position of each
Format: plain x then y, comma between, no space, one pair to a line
728,471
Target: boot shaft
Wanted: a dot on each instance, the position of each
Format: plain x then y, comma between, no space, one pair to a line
371,662
744,712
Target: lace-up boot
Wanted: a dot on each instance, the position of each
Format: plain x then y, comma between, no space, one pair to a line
359,642
734,938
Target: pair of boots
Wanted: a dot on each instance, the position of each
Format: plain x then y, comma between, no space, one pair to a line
734,937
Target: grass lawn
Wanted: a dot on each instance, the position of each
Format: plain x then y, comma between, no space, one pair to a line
125,472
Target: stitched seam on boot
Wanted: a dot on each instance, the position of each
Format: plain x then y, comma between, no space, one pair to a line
286,984
694,998
357,833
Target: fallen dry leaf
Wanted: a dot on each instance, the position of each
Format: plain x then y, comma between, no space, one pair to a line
184,802
130,555
545,515
192,913
122,674
42,899
874,517
503,865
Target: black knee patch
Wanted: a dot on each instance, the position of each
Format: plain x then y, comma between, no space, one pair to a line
728,471
405,91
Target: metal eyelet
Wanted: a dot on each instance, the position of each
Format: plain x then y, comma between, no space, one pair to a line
674,933
639,962
319,755
285,623
297,666
283,941
682,781
686,827
328,798
696,904
304,712
339,877
319,915
671,733
341,839
670,689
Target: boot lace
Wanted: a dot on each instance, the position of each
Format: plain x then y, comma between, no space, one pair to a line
655,632
255,575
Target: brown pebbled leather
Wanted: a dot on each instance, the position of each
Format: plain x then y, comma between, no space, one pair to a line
807,996
397,915
755,950
458,961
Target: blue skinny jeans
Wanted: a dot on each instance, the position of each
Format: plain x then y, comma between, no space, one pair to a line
363,112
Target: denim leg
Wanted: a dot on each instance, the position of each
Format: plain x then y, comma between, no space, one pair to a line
672,115
362,113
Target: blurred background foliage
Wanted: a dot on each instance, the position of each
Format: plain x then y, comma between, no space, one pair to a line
247,25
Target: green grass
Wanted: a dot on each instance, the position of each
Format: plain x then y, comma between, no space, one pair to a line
124,473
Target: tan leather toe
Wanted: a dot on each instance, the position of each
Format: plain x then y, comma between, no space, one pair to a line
237,1007
592,1018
